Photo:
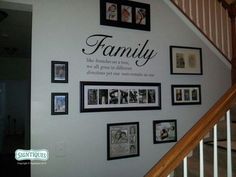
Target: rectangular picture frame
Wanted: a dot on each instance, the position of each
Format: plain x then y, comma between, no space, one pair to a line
59,71
125,14
122,140
186,94
59,103
185,60
119,96
164,131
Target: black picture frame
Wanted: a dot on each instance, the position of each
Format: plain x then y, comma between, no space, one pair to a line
122,140
186,94
59,103
185,60
119,96
59,71
125,14
164,131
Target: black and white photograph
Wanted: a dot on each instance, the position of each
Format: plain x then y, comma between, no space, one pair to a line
164,131
59,103
122,140
92,96
186,94
185,60
125,14
59,72
119,96
103,96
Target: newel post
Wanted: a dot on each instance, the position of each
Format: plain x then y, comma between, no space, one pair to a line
232,14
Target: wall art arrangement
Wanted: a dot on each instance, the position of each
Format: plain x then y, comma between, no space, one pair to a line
59,72
126,14
119,96
164,131
186,94
185,60
59,103
122,140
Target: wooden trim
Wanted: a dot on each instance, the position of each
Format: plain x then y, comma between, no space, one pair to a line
190,140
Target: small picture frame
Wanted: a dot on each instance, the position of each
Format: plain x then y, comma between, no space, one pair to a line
119,96
59,103
186,94
164,131
185,60
59,72
122,140
125,14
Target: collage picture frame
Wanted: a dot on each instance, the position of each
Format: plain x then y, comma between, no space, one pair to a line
164,131
185,60
186,94
119,96
126,14
122,140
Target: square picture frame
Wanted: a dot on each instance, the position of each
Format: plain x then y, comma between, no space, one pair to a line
125,14
59,103
186,60
186,94
122,140
119,96
164,131
59,71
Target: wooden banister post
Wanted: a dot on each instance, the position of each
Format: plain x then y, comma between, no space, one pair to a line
232,14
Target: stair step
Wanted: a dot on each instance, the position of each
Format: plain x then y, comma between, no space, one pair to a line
223,144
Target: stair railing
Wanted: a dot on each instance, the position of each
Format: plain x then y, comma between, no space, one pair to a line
211,18
194,136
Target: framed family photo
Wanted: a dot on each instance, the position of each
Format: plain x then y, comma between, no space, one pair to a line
59,72
59,103
186,94
122,140
119,96
126,14
185,60
164,131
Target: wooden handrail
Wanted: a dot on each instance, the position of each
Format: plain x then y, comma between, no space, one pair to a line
190,140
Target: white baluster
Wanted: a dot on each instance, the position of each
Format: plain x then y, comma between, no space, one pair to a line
201,159
215,153
185,167
229,157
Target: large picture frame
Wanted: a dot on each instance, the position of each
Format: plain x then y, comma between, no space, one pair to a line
119,96
164,131
186,94
126,14
185,60
122,140
59,103
59,71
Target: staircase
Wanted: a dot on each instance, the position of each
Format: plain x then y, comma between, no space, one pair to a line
193,157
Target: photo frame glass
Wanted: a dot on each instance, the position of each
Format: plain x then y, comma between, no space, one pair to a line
164,131
119,96
186,94
59,72
122,140
59,103
186,60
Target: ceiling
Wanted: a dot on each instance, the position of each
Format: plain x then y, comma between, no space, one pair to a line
15,34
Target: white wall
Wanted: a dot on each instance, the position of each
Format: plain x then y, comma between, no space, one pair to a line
77,142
